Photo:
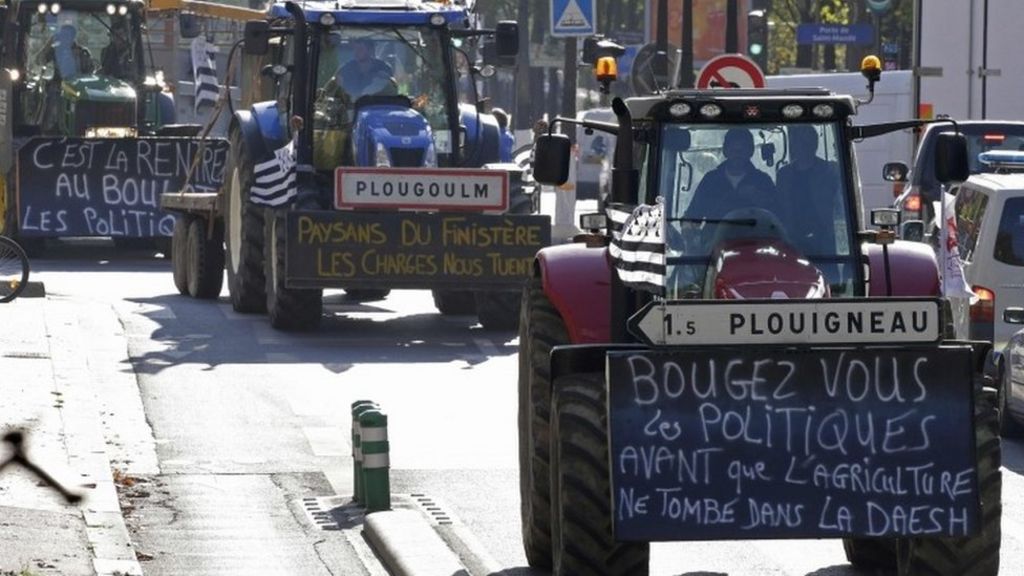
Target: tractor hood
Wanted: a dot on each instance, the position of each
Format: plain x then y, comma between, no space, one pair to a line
99,89
393,136
762,268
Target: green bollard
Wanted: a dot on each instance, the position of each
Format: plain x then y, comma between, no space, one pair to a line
358,407
373,426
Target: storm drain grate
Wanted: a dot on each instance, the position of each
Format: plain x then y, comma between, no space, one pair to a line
332,512
432,508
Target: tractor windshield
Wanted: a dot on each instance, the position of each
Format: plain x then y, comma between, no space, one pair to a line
66,43
367,61
780,182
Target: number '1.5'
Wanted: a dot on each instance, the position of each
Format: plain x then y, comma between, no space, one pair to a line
687,327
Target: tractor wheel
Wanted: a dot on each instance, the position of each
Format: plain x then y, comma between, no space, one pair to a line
540,330
871,553
290,309
244,232
498,310
179,253
366,294
975,555
205,260
581,505
454,302
1008,427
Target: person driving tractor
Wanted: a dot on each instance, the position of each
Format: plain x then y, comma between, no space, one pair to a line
735,183
365,74
70,59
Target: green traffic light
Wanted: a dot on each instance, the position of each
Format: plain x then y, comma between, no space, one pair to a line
755,49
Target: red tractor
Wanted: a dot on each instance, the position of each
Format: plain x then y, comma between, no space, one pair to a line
730,353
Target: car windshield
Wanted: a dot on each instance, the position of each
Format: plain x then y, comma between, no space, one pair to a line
367,61
782,182
980,138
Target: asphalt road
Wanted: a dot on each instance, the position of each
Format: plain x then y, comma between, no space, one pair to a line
243,432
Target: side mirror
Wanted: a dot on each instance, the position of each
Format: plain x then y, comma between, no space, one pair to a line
506,43
551,155
912,230
188,25
1013,315
951,158
895,172
257,37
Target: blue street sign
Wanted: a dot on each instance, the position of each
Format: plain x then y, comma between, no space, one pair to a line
835,34
572,17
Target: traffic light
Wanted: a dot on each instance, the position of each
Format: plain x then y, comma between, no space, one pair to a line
757,37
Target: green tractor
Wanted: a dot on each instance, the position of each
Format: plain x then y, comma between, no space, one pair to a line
88,138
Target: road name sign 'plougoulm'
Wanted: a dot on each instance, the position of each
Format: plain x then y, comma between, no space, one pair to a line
853,321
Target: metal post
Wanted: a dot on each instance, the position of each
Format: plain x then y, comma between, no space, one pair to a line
358,407
732,43
569,82
686,79
660,63
373,426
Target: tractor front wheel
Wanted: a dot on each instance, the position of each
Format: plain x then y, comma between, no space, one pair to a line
581,492
454,302
498,310
244,233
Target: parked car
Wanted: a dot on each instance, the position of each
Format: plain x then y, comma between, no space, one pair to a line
990,236
915,201
1010,365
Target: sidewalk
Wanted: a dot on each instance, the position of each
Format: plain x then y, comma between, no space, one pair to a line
47,390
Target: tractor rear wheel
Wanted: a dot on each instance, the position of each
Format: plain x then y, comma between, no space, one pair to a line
205,259
974,555
581,498
454,302
179,253
244,233
540,329
290,309
498,310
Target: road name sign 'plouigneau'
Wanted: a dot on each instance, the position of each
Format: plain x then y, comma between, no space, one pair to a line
850,321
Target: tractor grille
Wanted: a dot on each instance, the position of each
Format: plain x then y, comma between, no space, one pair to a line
403,128
407,157
104,115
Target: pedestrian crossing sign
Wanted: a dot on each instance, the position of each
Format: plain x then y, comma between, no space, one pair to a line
572,17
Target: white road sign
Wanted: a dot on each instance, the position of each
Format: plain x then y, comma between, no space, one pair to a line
862,321
421,189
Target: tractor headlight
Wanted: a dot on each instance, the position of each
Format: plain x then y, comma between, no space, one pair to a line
110,132
437,19
327,19
122,9
382,160
111,9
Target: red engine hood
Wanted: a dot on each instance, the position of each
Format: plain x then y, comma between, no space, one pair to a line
762,268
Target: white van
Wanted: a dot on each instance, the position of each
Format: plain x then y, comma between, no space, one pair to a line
990,235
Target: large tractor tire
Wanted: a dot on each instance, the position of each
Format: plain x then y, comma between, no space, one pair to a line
540,329
454,302
290,309
871,553
205,259
366,294
975,555
179,253
244,232
581,492
498,310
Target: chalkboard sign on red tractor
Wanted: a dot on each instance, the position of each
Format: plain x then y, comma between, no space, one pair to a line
109,187
749,443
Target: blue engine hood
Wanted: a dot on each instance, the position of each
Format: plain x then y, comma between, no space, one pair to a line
403,132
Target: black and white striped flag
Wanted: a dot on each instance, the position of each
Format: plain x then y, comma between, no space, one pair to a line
638,245
274,179
204,72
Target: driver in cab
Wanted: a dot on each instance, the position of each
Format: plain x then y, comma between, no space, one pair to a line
735,183
365,74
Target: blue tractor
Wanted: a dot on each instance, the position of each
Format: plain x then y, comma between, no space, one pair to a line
362,158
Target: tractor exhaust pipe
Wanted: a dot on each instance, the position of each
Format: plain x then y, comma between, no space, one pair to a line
300,85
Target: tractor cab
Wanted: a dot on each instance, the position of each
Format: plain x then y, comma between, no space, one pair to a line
81,70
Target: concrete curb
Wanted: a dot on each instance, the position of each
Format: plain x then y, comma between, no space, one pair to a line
409,546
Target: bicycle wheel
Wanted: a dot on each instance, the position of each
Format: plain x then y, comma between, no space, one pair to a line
13,269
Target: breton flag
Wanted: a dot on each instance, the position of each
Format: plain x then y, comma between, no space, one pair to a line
274,179
204,72
638,245
954,284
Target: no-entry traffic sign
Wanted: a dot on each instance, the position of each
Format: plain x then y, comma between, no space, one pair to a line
730,71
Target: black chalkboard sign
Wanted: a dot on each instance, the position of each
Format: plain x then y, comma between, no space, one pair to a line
106,186
412,249
803,443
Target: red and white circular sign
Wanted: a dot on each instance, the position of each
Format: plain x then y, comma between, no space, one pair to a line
730,71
